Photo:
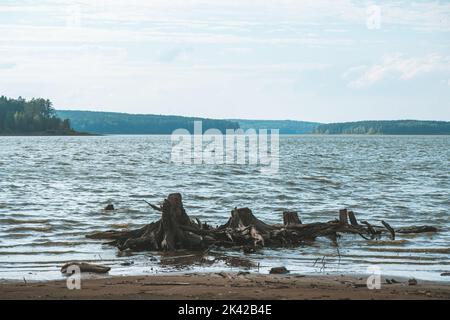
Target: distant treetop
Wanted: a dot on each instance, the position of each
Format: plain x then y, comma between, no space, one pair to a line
35,116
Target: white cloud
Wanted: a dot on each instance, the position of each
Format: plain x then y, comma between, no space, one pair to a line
242,54
398,66
235,14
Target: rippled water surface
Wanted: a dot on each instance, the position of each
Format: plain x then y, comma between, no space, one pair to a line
53,189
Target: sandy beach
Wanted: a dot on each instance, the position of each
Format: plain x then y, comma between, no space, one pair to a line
232,286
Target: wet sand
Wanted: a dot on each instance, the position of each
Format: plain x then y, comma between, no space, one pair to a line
226,286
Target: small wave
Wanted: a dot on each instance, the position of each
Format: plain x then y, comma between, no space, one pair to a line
46,244
384,257
412,250
126,210
142,196
295,189
201,197
8,253
219,174
119,225
17,235
57,244
321,179
37,229
284,197
387,242
238,171
16,221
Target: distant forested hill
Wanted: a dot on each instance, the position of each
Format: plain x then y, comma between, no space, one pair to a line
285,126
386,127
32,117
124,123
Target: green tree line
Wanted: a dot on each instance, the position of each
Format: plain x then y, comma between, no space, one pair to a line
395,127
284,126
124,123
19,116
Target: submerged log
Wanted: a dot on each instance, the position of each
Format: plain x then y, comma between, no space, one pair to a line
419,229
175,230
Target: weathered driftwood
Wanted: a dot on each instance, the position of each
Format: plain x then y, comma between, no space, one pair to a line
85,267
418,229
175,230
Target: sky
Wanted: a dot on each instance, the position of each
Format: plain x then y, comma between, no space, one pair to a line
312,60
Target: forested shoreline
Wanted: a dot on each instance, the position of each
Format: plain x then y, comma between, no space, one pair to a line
125,123
31,117
38,117
390,127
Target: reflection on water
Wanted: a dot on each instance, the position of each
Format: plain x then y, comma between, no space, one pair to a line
53,190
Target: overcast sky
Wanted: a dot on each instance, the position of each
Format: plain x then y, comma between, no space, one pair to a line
312,60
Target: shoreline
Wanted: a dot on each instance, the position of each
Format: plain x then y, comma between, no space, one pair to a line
223,285
443,280
46,134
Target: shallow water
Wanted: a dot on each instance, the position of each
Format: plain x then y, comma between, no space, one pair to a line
53,189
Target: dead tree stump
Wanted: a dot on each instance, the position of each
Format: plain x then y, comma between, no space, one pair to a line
176,231
291,218
343,217
352,218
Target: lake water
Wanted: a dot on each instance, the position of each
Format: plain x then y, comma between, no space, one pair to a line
53,191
